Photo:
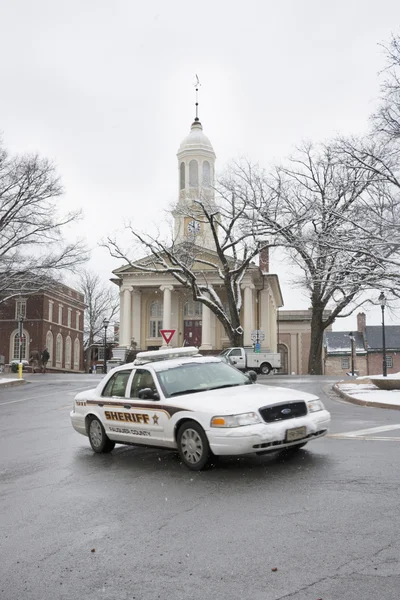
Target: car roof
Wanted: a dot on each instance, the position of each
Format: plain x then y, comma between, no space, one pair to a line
163,365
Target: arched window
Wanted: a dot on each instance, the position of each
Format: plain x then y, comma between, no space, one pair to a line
206,173
77,352
193,173
192,309
68,352
49,345
182,176
59,350
155,323
15,346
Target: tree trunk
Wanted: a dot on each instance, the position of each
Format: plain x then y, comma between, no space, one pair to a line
315,365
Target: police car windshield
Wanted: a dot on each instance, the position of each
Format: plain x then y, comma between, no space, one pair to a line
200,377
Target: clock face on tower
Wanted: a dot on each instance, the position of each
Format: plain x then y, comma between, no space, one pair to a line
193,227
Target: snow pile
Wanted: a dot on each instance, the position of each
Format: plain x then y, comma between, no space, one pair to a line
367,392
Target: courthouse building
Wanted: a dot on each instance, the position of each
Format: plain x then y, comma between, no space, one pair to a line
153,301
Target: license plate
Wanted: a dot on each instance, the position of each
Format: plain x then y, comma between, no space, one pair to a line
297,433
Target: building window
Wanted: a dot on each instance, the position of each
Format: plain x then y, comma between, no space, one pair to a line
69,317
68,352
49,346
193,173
206,173
20,309
78,314
51,310
60,314
77,350
100,353
192,309
345,363
156,313
389,362
15,347
59,349
182,176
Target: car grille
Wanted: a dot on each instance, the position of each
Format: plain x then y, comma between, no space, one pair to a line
281,412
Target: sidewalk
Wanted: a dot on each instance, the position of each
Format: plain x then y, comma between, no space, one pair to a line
363,392
11,380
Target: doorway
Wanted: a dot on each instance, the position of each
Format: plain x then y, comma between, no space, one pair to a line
192,332
283,351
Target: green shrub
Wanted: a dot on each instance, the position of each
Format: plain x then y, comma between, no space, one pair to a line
14,367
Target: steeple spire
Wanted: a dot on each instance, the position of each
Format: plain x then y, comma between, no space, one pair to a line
197,85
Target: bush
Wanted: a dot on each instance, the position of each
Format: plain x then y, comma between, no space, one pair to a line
14,367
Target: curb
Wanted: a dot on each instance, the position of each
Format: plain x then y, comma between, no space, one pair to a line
15,383
353,400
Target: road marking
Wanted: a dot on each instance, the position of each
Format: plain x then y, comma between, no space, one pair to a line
362,432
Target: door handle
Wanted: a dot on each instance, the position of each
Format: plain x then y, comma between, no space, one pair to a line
127,406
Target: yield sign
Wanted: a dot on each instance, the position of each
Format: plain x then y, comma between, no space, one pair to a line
167,334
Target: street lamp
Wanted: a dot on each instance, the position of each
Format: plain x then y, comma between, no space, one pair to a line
106,323
352,338
382,301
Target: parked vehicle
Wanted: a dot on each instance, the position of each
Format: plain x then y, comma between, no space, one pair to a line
245,359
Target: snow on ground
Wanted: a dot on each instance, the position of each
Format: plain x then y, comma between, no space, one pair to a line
4,380
368,392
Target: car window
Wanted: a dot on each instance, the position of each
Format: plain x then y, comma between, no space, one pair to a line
142,379
116,386
236,352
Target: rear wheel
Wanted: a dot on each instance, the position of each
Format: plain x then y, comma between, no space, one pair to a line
193,446
265,368
98,438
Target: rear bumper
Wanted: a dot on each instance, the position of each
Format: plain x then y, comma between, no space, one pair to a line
266,437
78,422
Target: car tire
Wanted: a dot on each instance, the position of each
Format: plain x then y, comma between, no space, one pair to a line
265,368
98,438
193,446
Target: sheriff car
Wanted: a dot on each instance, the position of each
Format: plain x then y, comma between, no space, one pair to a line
199,405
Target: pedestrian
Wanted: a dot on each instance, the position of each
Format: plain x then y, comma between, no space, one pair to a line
34,360
45,359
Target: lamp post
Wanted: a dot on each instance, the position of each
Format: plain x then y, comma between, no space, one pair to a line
382,301
106,323
352,339
20,334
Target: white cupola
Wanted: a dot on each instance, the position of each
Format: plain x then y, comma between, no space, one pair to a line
196,165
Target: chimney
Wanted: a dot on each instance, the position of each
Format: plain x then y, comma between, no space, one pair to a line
361,322
264,260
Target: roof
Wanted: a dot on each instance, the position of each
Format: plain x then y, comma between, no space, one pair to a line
373,335
196,142
338,342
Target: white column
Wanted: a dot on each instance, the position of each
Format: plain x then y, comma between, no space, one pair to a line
264,317
206,329
126,332
167,290
137,317
121,317
248,315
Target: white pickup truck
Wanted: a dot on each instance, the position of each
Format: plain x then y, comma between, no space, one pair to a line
246,359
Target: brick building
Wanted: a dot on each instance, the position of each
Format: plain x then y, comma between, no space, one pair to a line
52,318
368,349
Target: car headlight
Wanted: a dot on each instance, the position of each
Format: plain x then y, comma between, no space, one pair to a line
235,420
315,405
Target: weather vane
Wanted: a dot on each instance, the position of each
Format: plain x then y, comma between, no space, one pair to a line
197,84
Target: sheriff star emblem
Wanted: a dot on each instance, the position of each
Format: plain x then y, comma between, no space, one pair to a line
155,419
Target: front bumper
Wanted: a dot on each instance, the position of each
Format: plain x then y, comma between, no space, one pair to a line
266,437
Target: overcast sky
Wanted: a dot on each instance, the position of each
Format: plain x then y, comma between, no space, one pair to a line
105,89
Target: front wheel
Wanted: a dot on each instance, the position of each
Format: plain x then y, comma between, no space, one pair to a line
265,368
98,438
193,446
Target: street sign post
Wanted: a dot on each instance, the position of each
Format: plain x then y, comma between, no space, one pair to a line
167,334
257,336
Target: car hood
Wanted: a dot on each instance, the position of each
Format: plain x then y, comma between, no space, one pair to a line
87,395
243,398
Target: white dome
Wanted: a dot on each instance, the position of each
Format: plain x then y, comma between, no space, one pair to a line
196,142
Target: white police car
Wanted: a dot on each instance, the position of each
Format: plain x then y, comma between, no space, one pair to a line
199,405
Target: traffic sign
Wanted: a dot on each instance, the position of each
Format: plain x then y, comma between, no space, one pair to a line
257,335
257,348
167,334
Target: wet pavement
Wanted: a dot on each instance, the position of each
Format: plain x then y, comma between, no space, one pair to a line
136,524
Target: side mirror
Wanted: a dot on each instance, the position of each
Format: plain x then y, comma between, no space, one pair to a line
252,375
148,394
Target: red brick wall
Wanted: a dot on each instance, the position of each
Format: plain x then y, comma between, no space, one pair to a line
375,363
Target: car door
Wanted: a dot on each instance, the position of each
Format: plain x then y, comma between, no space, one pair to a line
237,358
113,405
150,417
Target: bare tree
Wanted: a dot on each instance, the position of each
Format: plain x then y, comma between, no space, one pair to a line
387,117
102,302
32,249
213,276
337,212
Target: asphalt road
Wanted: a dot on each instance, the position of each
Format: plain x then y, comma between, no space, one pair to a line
136,524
